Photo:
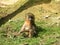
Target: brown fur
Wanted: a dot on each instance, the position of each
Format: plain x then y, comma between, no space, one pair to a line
29,26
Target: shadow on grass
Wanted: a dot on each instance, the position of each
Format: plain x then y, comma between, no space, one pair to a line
30,3
39,31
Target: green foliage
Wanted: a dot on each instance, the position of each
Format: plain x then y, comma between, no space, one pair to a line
46,35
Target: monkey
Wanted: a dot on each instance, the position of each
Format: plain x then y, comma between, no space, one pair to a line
29,25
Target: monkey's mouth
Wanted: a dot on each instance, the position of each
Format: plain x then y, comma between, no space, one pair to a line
29,18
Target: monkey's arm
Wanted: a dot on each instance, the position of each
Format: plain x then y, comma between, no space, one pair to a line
34,27
22,29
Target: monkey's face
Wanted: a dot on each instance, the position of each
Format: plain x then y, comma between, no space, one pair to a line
30,17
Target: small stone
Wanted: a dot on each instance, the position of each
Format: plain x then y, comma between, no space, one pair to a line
47,16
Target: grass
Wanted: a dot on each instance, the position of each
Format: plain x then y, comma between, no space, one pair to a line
8,9
46,35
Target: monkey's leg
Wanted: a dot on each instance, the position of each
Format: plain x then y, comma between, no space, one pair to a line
30,33
21,31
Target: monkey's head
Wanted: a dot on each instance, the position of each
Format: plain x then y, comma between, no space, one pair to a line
30,16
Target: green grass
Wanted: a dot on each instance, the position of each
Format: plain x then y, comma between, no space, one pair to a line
46,35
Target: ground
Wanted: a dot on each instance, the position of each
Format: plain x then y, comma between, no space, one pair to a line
47,15
9,6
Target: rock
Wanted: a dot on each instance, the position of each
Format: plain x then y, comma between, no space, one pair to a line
47,16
